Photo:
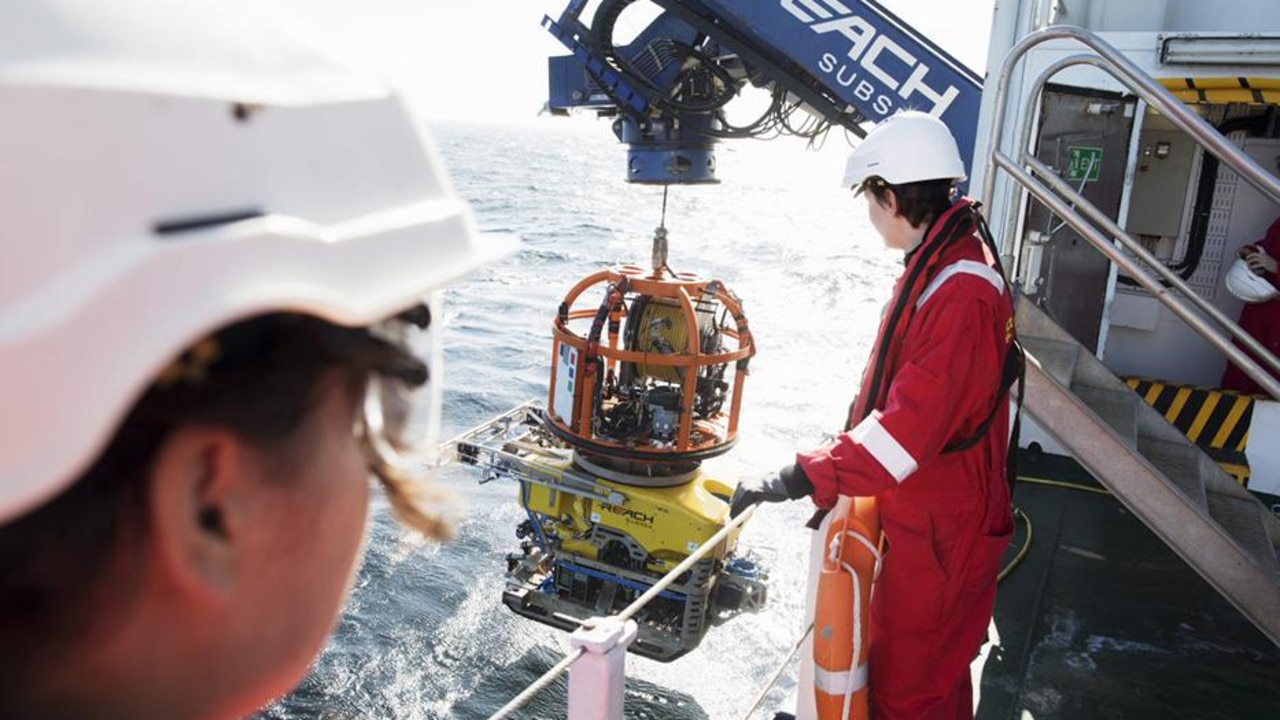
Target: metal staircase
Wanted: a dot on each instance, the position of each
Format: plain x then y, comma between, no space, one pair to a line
1209,519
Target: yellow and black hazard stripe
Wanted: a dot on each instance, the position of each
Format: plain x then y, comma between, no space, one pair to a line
1216,420
1260,91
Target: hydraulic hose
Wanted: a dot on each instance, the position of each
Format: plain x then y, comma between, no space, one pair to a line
1017,512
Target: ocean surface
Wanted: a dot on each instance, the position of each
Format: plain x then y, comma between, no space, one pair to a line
424,633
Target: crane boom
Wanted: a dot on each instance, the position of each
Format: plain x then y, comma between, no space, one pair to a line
843,62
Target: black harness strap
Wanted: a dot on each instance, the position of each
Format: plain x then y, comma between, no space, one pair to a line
946,235
1014,369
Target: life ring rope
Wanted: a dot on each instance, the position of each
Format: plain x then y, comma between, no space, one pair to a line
846,683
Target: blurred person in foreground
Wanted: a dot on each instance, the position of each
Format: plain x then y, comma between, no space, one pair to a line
223,250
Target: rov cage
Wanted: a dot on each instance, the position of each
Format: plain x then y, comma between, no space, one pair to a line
648,381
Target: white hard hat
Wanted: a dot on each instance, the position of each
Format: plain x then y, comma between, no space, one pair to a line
170,168
1248,286
908,147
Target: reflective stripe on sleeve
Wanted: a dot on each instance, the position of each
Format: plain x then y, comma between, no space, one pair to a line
961,267
839,683
884,447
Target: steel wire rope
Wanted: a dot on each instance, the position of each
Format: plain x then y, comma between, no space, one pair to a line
1061,484
661,243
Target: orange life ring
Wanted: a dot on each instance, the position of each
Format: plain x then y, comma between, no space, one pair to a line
850,563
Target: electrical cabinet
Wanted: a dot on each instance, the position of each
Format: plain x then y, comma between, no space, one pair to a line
1161,177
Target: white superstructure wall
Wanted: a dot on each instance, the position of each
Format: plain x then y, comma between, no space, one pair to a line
1169,15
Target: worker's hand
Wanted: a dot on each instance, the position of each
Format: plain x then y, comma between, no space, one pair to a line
1260,262
789,484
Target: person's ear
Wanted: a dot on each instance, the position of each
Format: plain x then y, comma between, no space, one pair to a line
890,202
199,488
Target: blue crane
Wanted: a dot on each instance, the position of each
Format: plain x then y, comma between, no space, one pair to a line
826,63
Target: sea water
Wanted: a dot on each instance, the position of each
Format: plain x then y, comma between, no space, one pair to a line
425,634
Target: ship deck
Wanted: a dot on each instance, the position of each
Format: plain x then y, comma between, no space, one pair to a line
1101,619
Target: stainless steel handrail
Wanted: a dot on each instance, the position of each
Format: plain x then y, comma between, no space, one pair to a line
1108,59
1217,339
1164,294
1100,219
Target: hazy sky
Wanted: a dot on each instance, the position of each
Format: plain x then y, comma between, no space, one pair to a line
486,59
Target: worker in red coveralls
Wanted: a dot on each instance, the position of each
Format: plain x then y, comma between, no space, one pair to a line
1261,315
928,435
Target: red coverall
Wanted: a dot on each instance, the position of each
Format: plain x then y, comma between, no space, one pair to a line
946,516
1261,320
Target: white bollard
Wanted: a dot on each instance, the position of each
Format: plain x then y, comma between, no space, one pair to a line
596,680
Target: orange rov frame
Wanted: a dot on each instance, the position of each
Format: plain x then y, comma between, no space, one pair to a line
648,379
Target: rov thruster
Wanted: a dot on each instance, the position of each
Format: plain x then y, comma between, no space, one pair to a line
646,382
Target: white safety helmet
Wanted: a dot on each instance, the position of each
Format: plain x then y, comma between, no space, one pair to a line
1248,286
169,168
908,147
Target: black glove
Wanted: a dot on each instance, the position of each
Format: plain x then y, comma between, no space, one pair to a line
789,484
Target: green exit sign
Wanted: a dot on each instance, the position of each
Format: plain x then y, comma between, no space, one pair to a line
1084,164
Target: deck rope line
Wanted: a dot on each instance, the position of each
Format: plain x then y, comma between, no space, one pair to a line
688,563
773,679
559,668
539,685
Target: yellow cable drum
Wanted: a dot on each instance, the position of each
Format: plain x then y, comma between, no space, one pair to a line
661,328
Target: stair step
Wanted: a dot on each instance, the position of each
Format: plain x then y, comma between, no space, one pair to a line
1117,408
1179,463
1241,518
1211,521
1057,358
